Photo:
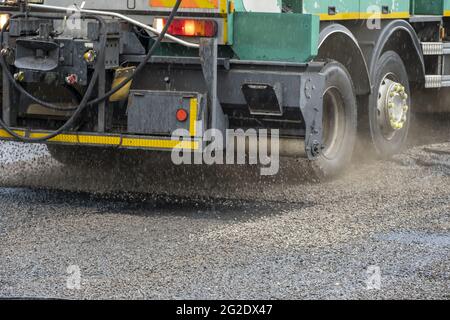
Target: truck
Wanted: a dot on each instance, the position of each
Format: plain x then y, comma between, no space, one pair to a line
107,75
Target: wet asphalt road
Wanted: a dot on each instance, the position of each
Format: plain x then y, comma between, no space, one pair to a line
140,229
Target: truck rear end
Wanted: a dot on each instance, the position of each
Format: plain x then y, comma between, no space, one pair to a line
219,67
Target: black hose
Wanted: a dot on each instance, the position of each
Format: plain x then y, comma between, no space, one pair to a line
19,87
84,103
142,65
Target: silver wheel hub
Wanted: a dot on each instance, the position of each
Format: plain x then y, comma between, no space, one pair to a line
392,105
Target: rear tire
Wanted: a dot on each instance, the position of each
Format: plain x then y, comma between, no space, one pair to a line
377,130
339,122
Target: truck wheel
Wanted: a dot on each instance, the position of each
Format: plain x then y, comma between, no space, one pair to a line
339,122
386,121
81,156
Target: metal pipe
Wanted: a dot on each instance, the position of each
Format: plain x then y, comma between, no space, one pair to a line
119,16
287,147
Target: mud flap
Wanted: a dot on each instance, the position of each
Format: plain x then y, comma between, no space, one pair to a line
311,104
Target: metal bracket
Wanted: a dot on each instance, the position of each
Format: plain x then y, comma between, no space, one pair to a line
102,111
209,61
313,85
8,114
9,96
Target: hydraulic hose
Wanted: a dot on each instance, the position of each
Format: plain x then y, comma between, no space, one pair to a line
142,65
20,88
85,103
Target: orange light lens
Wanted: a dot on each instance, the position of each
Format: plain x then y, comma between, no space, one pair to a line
188,27
182,115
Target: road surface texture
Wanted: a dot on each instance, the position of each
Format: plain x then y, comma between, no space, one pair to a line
146,230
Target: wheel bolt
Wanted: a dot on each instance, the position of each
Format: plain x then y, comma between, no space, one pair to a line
19,76
90,56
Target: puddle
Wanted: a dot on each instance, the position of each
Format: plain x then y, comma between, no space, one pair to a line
413,237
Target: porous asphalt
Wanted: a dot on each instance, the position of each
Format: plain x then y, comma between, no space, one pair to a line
143,229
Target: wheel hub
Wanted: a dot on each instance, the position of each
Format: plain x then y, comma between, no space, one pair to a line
392,105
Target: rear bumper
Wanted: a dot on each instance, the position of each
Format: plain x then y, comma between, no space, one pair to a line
122,141
288,147
302,88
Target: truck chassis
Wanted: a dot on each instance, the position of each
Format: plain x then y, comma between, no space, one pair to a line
345,78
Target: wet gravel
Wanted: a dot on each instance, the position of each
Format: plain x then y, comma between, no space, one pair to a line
144,229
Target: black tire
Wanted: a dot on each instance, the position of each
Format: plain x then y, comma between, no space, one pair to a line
82,156
384,145
339,122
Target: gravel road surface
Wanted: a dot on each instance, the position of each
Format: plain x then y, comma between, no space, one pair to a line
145,230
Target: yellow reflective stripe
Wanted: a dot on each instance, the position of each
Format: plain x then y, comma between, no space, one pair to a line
81,139
160,144
4,134
193,117
393,15
105,140
364,15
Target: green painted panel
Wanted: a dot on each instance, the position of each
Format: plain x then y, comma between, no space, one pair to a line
385,6
351,9
447,7
239,4
291,37
333,7
427,7
316,6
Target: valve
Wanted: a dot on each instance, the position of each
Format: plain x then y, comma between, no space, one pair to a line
90,56
19,76
71,79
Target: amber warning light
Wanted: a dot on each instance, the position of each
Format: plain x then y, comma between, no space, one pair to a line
188,27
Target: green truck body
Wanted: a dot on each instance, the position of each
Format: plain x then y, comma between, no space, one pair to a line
306,29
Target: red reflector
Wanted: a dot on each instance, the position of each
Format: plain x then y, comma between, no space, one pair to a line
182,115
189,27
